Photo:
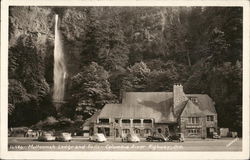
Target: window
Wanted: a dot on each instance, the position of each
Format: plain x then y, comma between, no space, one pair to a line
147,121
194,99
136,121
137,131
103,120
147,131
126,121
193,120
193,131
210,118
126,131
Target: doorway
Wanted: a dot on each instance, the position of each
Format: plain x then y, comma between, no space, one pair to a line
171,130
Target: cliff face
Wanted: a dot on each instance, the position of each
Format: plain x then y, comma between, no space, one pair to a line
38,22
30,20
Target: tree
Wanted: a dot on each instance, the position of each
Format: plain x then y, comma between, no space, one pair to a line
104,42
136,78
91,89
218,46
27,85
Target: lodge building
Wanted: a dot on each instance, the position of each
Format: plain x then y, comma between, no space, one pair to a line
145,113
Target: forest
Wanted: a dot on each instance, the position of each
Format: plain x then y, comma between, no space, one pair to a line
110,50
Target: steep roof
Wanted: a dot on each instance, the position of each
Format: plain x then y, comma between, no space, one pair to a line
205,103
144,105
92,118
156,105
191,109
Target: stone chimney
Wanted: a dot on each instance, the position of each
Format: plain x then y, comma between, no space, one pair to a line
178,94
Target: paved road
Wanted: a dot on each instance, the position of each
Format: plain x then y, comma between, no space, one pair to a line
81,144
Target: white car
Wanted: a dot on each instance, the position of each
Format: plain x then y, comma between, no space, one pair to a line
64,137
131,138
46,137
97,137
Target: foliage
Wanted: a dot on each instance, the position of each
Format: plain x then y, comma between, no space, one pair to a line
91,89
50,123
104,42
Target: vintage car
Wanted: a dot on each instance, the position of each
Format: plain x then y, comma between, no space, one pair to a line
157,137
130,138
98,137
176,137
64,137
216,136
31,133
46,137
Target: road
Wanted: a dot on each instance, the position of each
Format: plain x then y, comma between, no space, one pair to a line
82,144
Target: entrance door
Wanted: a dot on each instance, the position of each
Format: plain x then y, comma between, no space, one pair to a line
116,132
107,131
137,131
99,130
171,129
210,131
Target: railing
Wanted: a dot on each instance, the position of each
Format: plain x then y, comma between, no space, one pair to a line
137,124
104,123
126,124
147,124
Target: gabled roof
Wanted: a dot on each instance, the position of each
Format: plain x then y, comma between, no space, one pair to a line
92,118
156,105
204,102
191,109
146,105
113,110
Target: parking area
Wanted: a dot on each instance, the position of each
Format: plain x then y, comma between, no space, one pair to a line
82,144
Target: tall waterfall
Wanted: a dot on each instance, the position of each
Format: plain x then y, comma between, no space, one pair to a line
59,67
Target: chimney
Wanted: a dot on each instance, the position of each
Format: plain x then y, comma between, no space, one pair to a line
178,94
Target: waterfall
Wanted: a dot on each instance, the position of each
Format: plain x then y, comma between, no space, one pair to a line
59,67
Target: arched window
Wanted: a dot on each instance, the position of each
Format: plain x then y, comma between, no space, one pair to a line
137,131
125,131
147,131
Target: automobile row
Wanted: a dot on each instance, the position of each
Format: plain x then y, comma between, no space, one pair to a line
99,137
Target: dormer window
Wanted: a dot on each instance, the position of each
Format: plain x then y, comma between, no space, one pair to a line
194,99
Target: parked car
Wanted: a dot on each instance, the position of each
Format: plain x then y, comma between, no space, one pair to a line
46,137
157,137
176,137
233,134
130,138
64,137
98,137
216,136
31,133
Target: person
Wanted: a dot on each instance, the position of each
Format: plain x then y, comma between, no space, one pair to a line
166,133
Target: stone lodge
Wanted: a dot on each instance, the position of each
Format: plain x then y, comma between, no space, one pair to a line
145,113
